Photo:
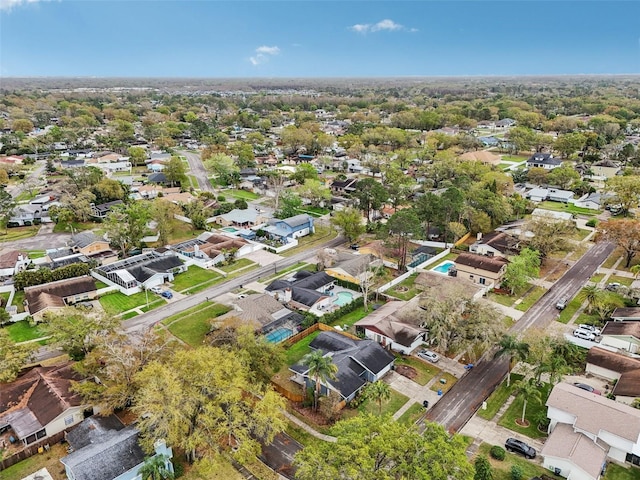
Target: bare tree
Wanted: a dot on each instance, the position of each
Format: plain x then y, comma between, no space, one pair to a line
277,184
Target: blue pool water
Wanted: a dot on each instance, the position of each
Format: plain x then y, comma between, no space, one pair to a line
278,335
443,268
343,298
230,229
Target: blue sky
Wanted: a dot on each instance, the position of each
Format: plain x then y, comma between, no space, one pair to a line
305,38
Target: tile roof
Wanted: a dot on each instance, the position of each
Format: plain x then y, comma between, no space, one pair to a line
579,449
481,262
53,294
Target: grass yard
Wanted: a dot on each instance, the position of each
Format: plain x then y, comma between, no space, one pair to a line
183,232
451,380
626,281
405,290
192,327
502,299
504,165
352,317
617,472
117,303
33,254
129,315
322,235
567,207
245,195
22,331
18,233
313,211
597,278
295,352
100,284
502,469
514,412
5,298
300,435
613,258
571,309
192,277
18,300
283,272
389,407
498,398
426,371
49,460
582,234
237,265
513,158
412,415
532,297
75,227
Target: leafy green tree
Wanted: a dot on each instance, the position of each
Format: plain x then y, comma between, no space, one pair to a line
155,468
107,190
376,447
175,171
137,155
304,172
626,190
126,225
370,195
13,357
290,204
222,166
569,143
203,401
549,235
528,390
483,468
625,233
349,221
7,206
402,227
23,125
509,345
196,212
521,270
321,369
314,191
563,176
378,392
164,213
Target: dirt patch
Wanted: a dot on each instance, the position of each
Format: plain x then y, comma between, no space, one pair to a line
313,418
552,269
524,424
407,371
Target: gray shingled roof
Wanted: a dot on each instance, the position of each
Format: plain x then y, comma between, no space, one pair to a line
83,239
91,430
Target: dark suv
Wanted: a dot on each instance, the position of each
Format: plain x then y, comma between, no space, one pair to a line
514,445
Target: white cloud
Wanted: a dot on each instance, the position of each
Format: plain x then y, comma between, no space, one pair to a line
263,53
386,25
10,4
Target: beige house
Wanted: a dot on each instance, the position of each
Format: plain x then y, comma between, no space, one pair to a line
605,169
53,296
480,268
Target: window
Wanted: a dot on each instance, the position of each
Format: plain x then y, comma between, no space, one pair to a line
68,420
482,281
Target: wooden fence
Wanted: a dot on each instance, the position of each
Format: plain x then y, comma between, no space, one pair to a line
31,450
294,397
314,328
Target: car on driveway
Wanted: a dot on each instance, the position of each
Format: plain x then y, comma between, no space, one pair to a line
588,388
584,334
613,286
590,328
433,357
518,446
156,290
167,294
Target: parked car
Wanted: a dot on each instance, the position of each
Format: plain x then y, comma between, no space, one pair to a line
156,290
518,446
588,388
584,334
562,303
433,357
613,286
84,305
167,294
589,328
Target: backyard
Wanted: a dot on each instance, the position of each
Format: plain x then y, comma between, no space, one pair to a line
49,460
191,326
22,331
405,290
295,352
18,300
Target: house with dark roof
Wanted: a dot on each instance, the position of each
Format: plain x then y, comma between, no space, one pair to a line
622,335
354,268
12,262
543,160
587,429
209,249
102,448
593,201
359,362
341,187
94,247
390,330
480,268
40,403
626,314
134,274
49,297
620,368
292,227
101,211
495,244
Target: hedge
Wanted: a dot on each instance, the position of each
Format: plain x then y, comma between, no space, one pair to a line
29,278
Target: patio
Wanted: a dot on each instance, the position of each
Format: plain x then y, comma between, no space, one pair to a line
338,297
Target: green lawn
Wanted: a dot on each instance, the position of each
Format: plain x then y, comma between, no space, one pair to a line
532,297
405,290
77,226
18,300
237,265
514,158
117,302
498,398
514,412
5,298
597,278
502,469
129,315
352,317
281,273
613,258
322,234
425,371
444,386
300,435
570,310
49,459
504,166
22,331
582,234
192,277
617,472
389,407
100,284
567,207
295,352
192,327
502,299
414,412
313,211
626,281
33,254
18,233
245,195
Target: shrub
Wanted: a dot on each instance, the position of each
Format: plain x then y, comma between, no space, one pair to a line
483,469
241,204
497,452
516,472
592,222
222,198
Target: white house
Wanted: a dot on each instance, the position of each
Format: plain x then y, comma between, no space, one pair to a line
622,335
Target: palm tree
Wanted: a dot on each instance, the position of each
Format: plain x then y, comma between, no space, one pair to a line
556,366
321,369
510,345
529,391
155,468
378,391
592,294
635,270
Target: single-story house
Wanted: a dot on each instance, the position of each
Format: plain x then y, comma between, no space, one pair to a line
505,123
627,388
94,247
344,186
390,331
249,217
303,290
12,262
626,314
551,215
540,194
292,227
40,403
101,211
489,141
143,271
102,448
495,244
610,365
480,268
592,201
622,335
359,362
353,268
604,169
49,297
26,214
209,249
543,160
612,427
112,167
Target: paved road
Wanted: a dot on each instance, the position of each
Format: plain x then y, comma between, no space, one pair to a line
39,242
154,316
197,169
459,404
35,175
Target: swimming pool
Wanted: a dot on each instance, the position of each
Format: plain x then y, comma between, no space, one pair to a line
343,298
278,335
444,267
230,229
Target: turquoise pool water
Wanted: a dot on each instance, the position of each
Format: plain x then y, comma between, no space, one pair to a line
444,267
230,229
278,335
343,298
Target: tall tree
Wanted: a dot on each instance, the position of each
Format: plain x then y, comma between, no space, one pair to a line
626,190
137,155
376,447
370,195
290,204
203,401
402,227
548,234
625,233
521,270
513,348
7,206
314,191
304,172
277,183
155,468
529,391
321,369
175,171
13,357
349,221
378,392
164,213
126,225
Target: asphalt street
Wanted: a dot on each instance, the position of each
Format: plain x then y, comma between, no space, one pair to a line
459,404
197,169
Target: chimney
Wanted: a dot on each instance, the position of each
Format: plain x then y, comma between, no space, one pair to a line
287,295
479,236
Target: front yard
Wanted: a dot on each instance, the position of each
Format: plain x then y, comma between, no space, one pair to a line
241,263
534,410
498,398
191,326
425,371
18,233
117,303
530,298
502,469
193,277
